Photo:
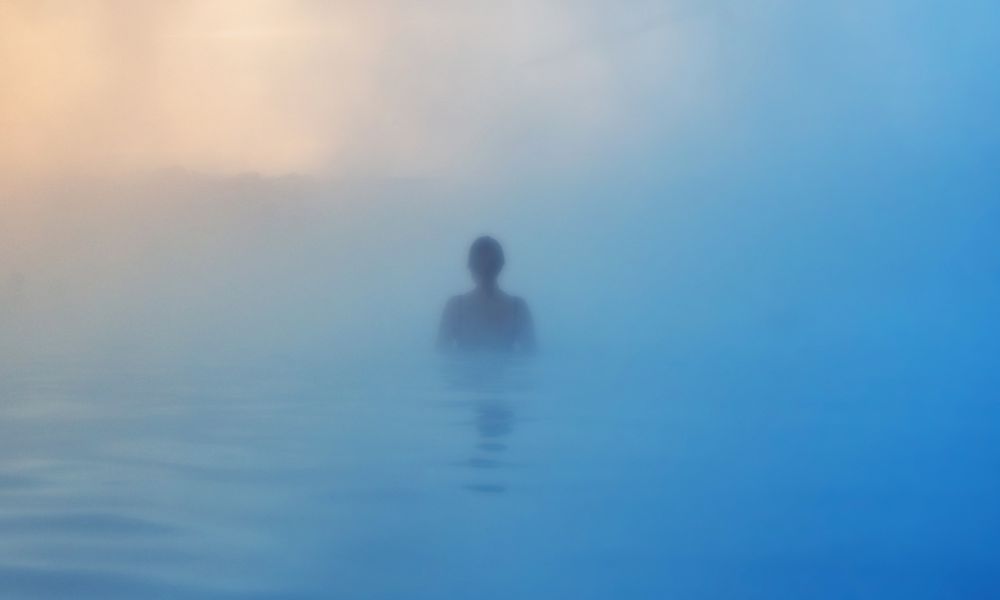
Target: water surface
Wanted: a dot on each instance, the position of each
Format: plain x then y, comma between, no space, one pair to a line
755,475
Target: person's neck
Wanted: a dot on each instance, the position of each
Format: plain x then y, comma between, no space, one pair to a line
488,288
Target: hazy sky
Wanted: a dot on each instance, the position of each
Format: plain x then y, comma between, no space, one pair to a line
444,87
347,86
700,162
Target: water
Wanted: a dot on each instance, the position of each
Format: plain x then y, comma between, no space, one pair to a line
755,475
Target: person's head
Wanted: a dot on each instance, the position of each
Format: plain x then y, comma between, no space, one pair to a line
485,260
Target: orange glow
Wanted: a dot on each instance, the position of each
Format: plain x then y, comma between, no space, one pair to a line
98,86
273,87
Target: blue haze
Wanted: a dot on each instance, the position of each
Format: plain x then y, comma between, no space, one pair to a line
769,335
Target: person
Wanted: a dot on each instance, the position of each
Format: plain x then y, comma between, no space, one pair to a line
487,318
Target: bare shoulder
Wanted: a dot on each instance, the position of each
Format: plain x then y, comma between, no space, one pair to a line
517,302
455,303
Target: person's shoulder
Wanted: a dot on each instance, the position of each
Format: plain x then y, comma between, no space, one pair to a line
456,301
517,302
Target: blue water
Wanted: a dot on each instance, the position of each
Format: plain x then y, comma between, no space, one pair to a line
723,475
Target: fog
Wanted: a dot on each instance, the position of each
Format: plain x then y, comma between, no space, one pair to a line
642,267
351,87
665,177
758,240
771,185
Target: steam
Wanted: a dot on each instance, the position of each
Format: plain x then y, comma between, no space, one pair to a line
354,87
204,177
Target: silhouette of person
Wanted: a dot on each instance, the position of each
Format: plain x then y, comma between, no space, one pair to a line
487,318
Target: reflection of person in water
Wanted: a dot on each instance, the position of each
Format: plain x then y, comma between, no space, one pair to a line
493,390
497,390
487,318
494,422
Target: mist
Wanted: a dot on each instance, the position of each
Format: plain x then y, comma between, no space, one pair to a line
758,241
746,168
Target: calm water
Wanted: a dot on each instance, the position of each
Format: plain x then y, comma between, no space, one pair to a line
578,477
